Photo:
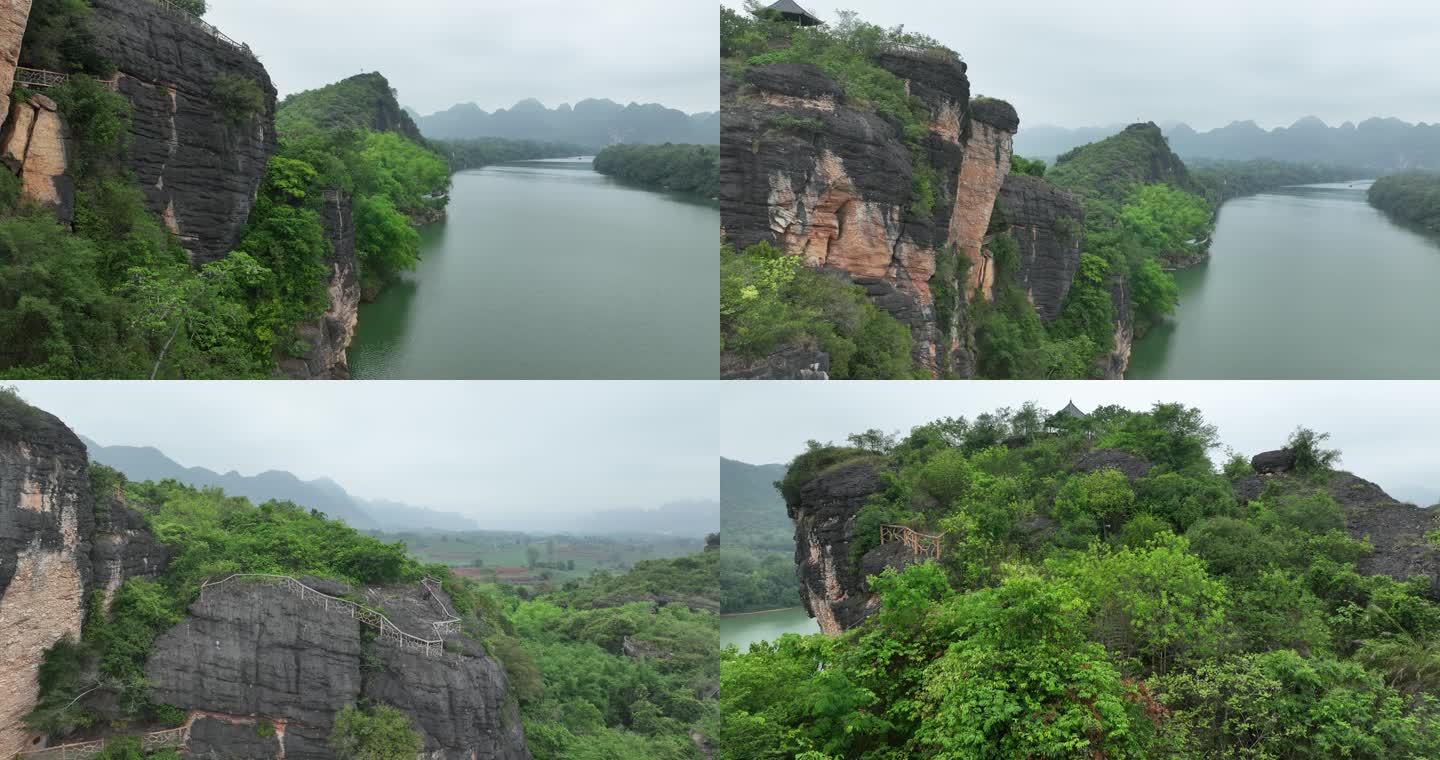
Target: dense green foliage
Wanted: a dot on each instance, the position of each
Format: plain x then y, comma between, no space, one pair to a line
1143,213
473,154
58,38
1412,197
1223,180
1091,615
598,701
1012,342
376,732
769,300
364,102
1027,167
682,168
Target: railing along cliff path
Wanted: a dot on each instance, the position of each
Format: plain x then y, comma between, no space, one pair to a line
40,79
387,630
202,23
442,627
170,738
920,544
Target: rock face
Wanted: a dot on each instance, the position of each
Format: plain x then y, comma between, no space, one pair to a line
789,363
1048,225
252,652
46,524
198,165
124,547
1132,466
329,336
832,588
35,145
802,169
1272,462
1395,530
13,17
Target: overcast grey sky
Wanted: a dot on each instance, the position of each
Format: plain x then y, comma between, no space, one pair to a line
1205,63
544,448
441,52
1386,431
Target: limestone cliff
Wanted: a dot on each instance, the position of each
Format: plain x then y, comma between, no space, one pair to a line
1047,223
329,335
198,165
59,541
47,519
35,145
13,17
253,652
840,192
248,652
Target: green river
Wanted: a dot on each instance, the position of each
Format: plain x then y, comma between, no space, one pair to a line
1303,283
744,630
549,270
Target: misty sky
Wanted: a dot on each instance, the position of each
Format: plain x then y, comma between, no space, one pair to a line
1386,431
542,448
1205,63
441,52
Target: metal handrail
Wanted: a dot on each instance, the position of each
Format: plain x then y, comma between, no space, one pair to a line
366,615
37,78
209,28
452,625
168,738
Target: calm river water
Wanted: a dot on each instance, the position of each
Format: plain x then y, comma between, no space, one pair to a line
744,630
548,270
1303,283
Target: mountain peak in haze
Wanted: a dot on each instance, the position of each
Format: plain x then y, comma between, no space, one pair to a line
1310,122
141,463
592,123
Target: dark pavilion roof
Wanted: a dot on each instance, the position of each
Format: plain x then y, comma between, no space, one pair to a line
792,8
1071,410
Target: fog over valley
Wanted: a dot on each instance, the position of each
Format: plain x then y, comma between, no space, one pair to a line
629,457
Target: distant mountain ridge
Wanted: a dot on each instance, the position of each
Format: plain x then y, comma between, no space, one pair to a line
1381,144
147,463
594,123
753,512
696,517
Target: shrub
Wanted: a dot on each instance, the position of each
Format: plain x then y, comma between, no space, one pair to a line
237,97
379,732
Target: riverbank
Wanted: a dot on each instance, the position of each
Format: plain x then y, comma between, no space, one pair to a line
1285,294
758,612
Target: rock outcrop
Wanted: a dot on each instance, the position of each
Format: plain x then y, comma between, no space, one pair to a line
1131,466
1396,531
789,363
253,652
47,518
831,586
14,15
329,336
1047,223
35,145
1272,462
804,170
198,163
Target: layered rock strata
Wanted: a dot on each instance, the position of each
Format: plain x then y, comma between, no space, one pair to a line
14,15
198,160
803,169
1047,223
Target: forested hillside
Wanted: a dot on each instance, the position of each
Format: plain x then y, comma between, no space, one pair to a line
1102,589
757,567
1413,198
1223,180
693,169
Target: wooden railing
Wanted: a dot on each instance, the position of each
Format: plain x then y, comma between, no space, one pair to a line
40,79
387,630
170,738
202,23
442,627
920,544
